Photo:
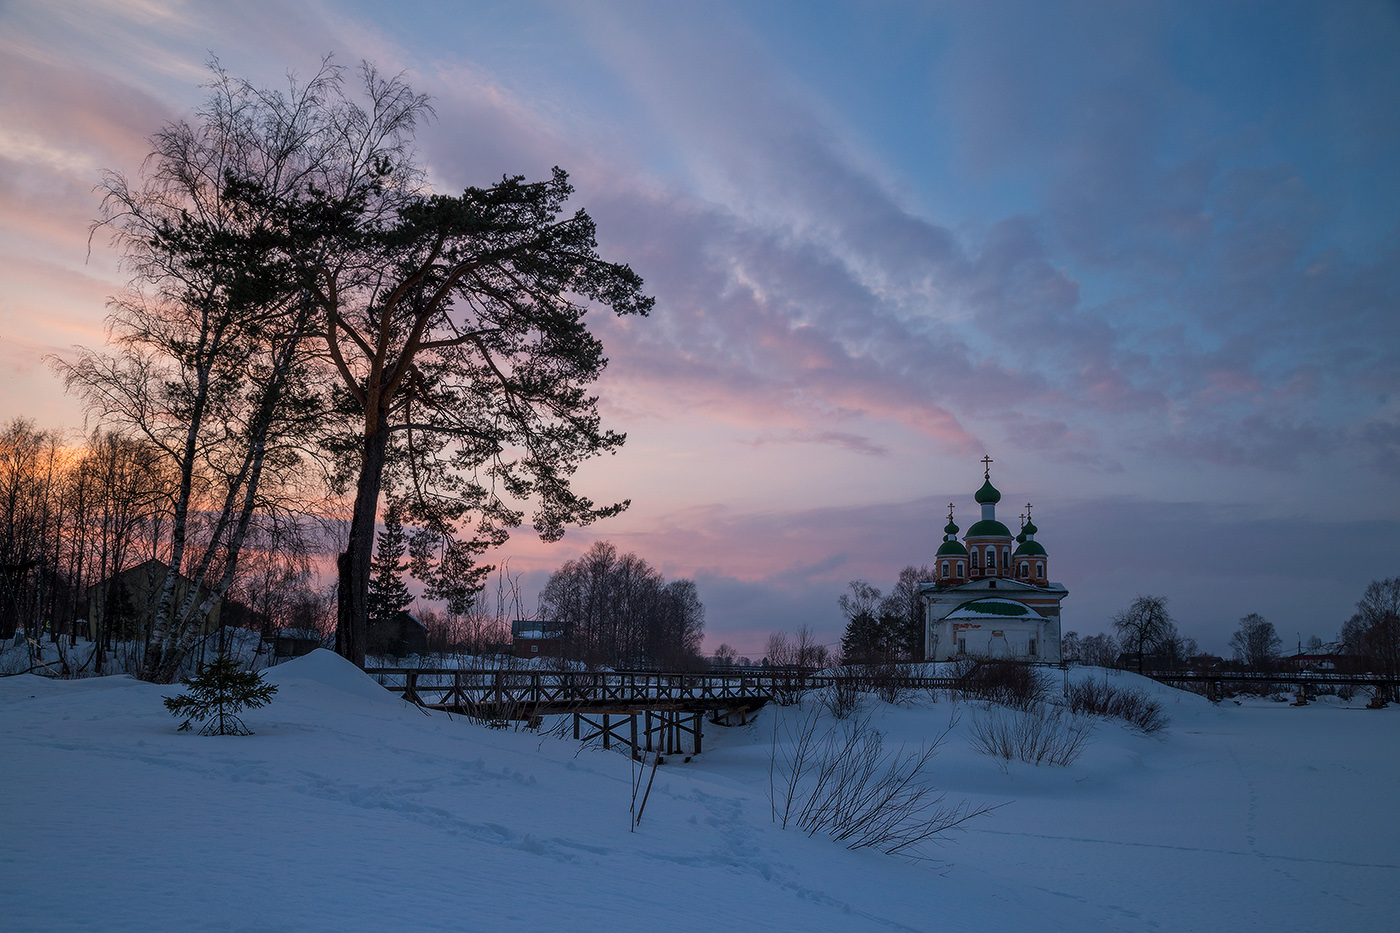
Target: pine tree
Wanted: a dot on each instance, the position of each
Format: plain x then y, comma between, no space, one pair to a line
218,694
863,641
387,592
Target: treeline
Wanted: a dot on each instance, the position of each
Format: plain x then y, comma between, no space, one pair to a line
76,513
1147,638
618,611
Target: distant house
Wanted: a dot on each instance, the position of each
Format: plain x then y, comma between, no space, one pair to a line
538,638
294,642
126,602
1319,662
235,614
399,635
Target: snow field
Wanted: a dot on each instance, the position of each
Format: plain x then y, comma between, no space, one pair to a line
350,810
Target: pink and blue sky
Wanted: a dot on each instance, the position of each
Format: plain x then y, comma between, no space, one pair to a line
1146,256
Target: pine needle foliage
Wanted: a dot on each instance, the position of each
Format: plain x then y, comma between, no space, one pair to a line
217,695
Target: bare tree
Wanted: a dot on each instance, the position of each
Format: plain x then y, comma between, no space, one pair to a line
725,655
905,608
121,489
1255,642
800,650
1099,650
1143,624
212,344
1373,632
620,611
30,496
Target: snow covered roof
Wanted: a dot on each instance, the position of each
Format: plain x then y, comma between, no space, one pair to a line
990,608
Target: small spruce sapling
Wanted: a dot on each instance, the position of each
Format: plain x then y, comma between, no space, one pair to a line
218,694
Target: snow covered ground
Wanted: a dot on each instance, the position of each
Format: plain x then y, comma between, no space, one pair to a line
350,810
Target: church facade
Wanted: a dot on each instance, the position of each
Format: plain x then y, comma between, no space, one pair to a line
991,595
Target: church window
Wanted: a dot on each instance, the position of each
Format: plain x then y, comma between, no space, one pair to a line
959,567
991,558
945,568
962,646
1025,569
975,555
1032,648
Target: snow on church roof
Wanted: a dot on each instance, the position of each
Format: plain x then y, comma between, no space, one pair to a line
981,608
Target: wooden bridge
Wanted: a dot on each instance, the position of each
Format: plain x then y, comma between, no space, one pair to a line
1305,683
646,709
525,693
608,704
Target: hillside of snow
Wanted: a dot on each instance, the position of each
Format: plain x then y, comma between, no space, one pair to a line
351,810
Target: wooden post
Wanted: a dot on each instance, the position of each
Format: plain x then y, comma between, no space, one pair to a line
576,718
607,733
698,718
633,720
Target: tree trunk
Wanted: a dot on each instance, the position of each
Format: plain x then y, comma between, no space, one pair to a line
353,566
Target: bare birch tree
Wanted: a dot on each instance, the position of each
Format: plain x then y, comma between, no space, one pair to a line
210,347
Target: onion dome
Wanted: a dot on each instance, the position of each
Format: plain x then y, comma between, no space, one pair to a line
952,548
1029,546
987,494
989,528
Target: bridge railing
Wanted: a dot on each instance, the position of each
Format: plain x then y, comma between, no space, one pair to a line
535,688
1280,677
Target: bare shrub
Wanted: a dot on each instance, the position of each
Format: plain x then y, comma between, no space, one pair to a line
1133,706
841,698
848,787
1041,735
1007,683
890,681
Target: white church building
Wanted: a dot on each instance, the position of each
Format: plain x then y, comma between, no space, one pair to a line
991,595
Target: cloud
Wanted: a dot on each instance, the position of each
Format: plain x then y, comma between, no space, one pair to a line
852,442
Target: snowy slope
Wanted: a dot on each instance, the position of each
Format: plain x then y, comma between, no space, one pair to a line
350,810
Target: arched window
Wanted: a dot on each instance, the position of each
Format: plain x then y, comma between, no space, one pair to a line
991,558
958,566
975,555
945,568
1025,569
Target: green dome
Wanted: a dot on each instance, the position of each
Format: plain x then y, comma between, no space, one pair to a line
989,528
1030,528
950,528
1030,549
988,493
952,549
1020,538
